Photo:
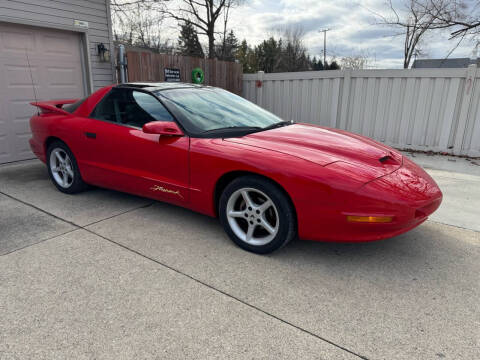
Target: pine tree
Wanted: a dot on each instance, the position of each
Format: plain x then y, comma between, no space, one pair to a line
242,56
226,51
320,65
334,66
268,55
317,64
188,43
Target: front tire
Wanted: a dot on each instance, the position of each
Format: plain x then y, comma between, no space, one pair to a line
257,215
63,169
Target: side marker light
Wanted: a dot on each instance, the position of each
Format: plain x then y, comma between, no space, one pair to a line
369,219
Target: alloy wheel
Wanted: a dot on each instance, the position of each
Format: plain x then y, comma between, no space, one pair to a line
61,168
252,216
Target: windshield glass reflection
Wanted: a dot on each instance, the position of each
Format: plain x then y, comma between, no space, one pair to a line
207,109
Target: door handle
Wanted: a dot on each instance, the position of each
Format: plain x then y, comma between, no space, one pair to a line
91,135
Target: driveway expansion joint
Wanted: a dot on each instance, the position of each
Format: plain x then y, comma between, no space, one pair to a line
229,295
39,209
80,227
120,213
76,226
455,226
41,241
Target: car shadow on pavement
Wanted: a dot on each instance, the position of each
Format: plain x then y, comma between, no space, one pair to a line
430,252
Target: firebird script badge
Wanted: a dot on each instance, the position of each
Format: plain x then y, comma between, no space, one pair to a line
168,191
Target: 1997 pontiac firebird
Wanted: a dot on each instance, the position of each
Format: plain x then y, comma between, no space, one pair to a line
203,148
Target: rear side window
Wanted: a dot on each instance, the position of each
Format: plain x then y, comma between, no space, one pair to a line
71,108
130,107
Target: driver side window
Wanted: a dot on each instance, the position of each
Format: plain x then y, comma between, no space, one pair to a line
131,108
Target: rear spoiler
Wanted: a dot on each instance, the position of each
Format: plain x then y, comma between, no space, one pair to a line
53,106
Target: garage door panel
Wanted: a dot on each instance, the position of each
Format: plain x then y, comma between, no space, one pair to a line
54,63
62,76
5,140
22,127
16,42
21,109
3,131
4,148
20,76
60,46
21,146
3,127
20,123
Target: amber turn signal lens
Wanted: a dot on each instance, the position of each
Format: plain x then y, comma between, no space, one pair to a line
370,219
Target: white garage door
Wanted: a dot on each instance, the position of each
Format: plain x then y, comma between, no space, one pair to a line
56,69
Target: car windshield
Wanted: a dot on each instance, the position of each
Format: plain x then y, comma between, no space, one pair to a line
210,110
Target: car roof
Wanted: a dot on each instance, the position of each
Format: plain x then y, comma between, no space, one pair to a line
158,86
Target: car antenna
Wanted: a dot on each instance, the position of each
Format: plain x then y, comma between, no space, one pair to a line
31,78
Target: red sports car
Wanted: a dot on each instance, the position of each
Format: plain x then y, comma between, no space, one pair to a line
203,148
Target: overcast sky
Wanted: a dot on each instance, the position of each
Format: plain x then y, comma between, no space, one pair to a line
352,23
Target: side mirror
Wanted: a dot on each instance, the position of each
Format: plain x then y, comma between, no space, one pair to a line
162,128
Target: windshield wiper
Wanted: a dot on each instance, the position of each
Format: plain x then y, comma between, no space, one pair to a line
232,128
278,125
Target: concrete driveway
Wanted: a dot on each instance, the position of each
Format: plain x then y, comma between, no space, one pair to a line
112,276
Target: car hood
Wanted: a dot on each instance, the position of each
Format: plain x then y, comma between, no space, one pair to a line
325,146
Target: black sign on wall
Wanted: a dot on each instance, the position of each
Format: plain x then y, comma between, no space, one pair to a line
172,75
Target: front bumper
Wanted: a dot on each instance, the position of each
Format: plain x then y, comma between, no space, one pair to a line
408,195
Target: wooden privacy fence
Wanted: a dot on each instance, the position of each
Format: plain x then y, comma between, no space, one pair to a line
419,109
147,66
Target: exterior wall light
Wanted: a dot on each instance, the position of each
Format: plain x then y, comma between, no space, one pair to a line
103,52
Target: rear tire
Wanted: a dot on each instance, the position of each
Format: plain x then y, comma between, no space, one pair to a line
257,215
63,169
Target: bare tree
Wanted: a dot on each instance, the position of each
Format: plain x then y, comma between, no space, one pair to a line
294,55
203,14
355,62
228,5
415,20
137,23
461,17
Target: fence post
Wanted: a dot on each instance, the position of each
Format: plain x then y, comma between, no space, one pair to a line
347,77
464,108
259,87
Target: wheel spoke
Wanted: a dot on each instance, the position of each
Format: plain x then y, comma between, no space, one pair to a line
236,214
267,226
69,171
251,229
265,206
247,199
59,157
64,179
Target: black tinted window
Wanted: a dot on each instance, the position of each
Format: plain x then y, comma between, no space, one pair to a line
130,107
